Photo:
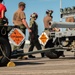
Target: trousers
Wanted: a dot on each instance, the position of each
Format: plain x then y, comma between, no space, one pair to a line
37,45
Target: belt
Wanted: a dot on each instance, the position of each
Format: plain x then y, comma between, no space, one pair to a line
48,29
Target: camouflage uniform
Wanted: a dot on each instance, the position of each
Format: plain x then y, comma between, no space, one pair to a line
17,20
34,37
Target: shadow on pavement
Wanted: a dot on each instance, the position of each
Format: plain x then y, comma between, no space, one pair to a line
27,63
68,58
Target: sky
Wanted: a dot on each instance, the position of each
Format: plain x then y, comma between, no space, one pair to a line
38,6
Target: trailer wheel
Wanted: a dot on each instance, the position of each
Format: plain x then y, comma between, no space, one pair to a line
60,53
52,54
5,51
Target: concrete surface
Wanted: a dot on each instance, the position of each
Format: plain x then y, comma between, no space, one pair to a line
42,66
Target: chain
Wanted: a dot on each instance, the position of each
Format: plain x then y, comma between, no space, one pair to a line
3,32
4,53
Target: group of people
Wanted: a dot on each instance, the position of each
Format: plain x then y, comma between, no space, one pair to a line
19,19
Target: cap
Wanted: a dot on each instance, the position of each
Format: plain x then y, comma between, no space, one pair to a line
34,15
49,11
21,4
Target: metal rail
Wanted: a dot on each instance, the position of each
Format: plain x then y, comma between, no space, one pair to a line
63,24
41,51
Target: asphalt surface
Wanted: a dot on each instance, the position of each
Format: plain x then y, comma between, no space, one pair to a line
42,66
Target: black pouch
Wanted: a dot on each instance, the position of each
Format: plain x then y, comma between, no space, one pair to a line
1,22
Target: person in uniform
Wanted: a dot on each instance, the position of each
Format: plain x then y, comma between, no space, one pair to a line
19,19
47,25
2,13
47,22
47,19
34,35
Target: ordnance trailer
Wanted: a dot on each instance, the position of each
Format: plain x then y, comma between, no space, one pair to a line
54,46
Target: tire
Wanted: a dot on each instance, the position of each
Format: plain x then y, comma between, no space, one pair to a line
52,54
6,48
60,53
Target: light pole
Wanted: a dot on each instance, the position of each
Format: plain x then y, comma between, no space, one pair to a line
61,13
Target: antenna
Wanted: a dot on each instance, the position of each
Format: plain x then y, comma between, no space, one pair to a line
60,11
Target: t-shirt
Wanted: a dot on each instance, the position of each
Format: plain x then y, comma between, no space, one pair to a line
18,16
2,7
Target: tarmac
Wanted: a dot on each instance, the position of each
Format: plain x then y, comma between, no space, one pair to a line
42,66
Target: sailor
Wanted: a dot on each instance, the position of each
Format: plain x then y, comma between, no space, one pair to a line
47,19
2,13
34,34
47,22
19,19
